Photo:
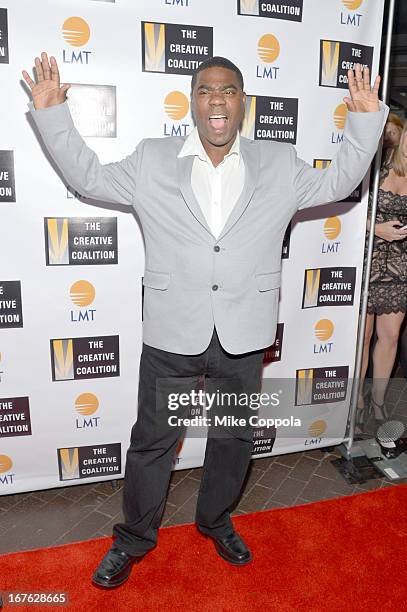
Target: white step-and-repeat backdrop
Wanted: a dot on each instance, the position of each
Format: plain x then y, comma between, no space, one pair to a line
71,272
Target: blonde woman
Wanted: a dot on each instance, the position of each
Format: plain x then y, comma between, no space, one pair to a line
392,134
387,303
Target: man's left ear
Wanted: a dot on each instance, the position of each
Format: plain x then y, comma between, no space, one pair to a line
244,102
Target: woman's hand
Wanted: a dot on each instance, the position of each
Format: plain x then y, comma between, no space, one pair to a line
390,231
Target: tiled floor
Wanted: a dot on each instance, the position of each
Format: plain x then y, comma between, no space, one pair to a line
80,512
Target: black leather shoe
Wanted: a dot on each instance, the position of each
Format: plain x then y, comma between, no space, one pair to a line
232,548
115,568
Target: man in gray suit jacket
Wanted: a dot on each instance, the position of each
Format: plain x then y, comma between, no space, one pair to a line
213,208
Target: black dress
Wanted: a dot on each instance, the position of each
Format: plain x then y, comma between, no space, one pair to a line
388,274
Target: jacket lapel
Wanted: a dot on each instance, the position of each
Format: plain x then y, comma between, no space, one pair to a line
184,168
251,160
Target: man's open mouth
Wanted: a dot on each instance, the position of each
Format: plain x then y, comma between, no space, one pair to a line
218,121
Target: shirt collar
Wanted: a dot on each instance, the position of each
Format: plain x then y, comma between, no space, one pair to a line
194,146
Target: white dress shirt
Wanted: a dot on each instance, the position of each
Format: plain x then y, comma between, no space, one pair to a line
216,189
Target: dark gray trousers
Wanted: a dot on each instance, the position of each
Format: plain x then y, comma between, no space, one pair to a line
154,441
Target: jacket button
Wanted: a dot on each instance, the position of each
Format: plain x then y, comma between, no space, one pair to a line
216,249
215,287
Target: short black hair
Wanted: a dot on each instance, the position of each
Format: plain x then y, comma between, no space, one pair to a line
217,62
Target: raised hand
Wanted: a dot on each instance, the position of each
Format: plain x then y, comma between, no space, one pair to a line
364,99
47,91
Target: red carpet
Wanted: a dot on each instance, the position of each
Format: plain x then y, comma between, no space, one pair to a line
342,554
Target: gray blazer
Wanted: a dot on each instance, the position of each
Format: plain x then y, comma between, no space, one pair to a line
192,280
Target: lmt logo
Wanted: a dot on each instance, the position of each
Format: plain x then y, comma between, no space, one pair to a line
5,466
176,107
316,430
82,294
177,3
268,50
351,19
86,405
76,32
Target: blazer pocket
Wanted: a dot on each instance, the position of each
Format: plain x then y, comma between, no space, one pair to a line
269,280
156,280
